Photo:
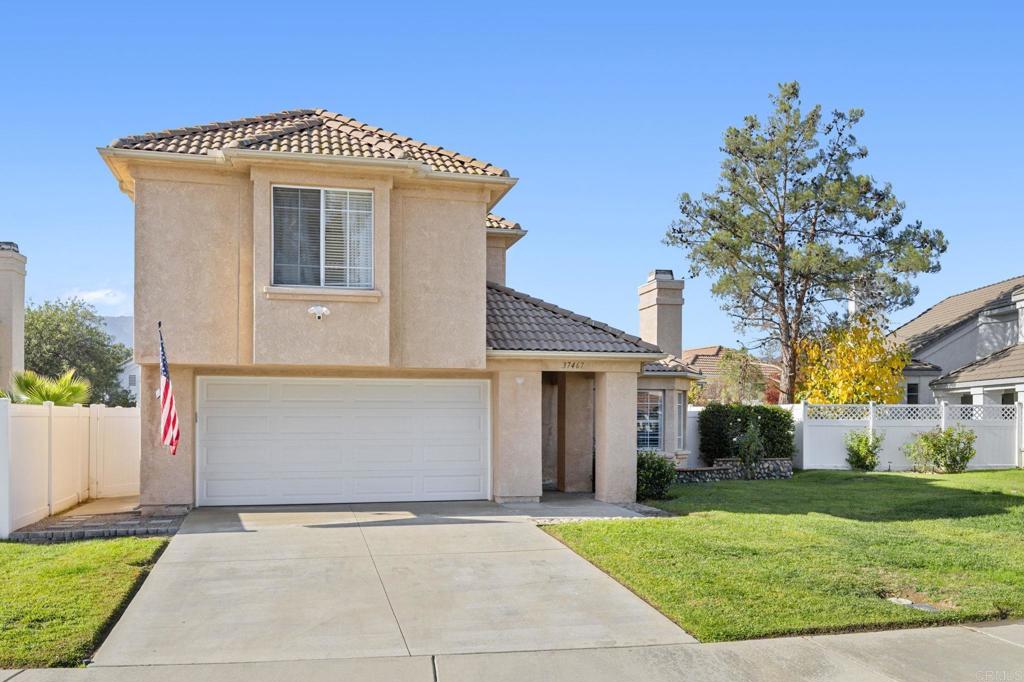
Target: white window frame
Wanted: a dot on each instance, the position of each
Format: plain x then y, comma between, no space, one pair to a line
661,420
323,237
681,409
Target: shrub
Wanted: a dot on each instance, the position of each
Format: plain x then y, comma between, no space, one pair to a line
721,425
944,450
862,449
654,476
749,448
67,389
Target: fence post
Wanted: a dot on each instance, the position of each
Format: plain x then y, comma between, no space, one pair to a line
943,409
871,421
1018,432
6,493
95,415
49,457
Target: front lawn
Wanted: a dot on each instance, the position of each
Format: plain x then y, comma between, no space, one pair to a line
57,601
821,552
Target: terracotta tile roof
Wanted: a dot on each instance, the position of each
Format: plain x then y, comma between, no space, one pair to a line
1004,364
496,222
706,359
306,131
953,311
516,321
670,365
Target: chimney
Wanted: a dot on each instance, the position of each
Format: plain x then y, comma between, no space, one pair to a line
661,311
12,312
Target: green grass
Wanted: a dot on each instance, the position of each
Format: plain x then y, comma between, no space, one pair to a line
820,553
58,601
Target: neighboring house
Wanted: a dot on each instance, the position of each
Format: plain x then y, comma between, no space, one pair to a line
121,327
339,330
707,359
968,348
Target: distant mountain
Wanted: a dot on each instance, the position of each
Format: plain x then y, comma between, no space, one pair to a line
121,327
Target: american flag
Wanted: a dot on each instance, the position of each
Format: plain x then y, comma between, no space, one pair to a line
168,415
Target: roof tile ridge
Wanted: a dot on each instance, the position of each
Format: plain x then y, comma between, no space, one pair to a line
215,125
277,132
409,141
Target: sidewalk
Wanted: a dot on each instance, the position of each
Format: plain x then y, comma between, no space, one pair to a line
975,653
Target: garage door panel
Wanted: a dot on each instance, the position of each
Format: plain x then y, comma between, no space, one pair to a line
341,440
244,392
453,484
464,454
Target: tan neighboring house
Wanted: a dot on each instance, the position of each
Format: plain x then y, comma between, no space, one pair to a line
339,330
968,348
707,359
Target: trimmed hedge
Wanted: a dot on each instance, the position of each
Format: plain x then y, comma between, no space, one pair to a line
720,425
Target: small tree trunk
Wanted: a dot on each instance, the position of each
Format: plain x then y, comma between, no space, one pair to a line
787,382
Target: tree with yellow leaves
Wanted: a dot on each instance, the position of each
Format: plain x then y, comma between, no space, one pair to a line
852,363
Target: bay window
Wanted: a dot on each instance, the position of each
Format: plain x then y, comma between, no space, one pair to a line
680,420
323,237
649,419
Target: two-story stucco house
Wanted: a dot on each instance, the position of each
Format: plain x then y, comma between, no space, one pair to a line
339,330
968,348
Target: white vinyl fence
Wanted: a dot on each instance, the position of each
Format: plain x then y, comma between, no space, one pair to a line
821,432
52,458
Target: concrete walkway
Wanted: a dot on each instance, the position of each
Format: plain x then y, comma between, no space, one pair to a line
985,653
366,581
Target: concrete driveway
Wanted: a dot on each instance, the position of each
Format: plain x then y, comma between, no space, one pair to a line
361,581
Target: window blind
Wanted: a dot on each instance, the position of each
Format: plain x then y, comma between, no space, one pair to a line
323,237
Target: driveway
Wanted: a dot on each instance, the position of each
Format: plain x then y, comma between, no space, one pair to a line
361,581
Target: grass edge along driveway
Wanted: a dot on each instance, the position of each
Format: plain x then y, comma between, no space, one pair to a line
58,601
821,552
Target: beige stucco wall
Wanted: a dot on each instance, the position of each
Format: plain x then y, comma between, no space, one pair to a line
12,315
357,330
575,472
167,480
516,446
615,436
203,266
440,265
188,241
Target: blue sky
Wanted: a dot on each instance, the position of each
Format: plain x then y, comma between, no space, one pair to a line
604,112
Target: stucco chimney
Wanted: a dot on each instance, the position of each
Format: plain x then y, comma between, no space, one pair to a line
661,311
12,312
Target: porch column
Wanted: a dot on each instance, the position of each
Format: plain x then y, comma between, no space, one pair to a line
575,432
1019,390
615,436
516,458
978,396
167,480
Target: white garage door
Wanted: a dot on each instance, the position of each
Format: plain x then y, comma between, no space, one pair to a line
309,441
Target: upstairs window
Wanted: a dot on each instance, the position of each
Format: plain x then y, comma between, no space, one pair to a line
323,237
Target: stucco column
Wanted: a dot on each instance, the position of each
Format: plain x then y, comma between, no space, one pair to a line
615,436
167,480
12,312
576,432
516,458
